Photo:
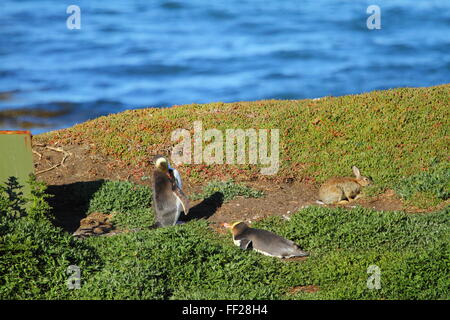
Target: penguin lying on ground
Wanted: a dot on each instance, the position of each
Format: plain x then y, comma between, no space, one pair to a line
263,241
168,198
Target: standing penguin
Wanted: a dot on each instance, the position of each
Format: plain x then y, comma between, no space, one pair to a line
168,198
264,241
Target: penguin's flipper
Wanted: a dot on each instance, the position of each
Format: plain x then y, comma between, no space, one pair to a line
183,199
245,244
176,176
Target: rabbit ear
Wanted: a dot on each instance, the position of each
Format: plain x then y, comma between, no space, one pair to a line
356,172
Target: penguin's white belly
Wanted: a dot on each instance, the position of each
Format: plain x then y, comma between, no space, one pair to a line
178,212
266,253
179,206
238,243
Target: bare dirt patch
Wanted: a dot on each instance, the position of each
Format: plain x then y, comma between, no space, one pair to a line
307,289
80,165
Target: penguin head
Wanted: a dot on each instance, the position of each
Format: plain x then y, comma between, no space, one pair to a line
162,164
236,227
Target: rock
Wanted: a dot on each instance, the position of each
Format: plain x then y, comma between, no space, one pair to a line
95,224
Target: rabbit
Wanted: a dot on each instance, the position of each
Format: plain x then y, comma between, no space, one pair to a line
342,190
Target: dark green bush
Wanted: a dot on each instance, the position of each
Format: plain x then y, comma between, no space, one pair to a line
130,202
12,200
120,196
134,219
184,261
35,255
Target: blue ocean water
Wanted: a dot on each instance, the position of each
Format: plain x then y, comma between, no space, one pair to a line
158,53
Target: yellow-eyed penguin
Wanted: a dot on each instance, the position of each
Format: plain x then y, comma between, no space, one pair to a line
263,241
168,198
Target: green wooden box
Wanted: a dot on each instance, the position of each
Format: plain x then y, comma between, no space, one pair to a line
16,157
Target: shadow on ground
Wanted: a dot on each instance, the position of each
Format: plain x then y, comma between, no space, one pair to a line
70,202
204,209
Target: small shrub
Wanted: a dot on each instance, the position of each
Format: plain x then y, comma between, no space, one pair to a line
130,202
134,219
12,201
432,184
120,196
38,206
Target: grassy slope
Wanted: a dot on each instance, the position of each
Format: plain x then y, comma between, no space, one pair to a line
388,134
